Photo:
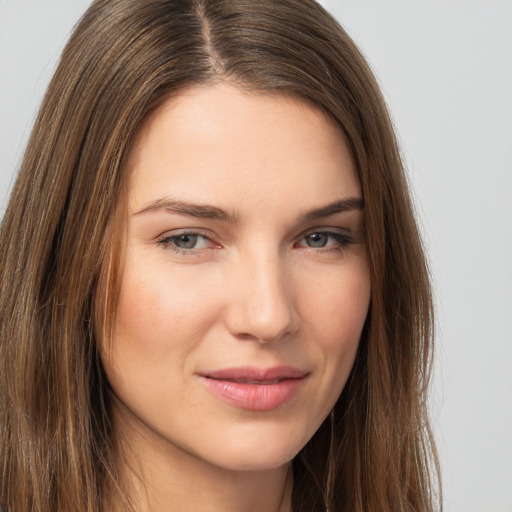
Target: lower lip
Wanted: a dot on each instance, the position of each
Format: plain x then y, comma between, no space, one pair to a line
255,397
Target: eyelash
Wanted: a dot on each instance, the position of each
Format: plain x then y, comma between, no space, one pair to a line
342,241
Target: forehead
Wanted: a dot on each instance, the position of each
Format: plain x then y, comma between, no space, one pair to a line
224,142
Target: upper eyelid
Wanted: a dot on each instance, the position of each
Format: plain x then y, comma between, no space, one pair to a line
325,229
329,231
186,231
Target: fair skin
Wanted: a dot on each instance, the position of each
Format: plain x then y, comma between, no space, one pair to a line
244,291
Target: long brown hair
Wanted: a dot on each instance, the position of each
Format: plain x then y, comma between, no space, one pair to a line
60,252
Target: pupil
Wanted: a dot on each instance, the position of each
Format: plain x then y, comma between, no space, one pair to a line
317,240
187,241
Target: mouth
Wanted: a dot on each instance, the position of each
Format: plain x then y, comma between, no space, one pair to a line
254,382
254,375
255,389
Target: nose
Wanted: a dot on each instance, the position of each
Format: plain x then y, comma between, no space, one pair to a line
262,306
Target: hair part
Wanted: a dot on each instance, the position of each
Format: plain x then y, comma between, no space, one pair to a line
61,245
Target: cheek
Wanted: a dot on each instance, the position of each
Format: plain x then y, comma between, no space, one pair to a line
340,303
159,308
336,315
159,322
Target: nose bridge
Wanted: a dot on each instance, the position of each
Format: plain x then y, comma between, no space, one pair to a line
263,307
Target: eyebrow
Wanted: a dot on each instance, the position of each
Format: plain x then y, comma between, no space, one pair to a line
205,211
343,205
201,211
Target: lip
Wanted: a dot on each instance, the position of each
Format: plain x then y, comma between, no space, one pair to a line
255,389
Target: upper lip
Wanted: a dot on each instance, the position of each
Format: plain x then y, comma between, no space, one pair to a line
255,374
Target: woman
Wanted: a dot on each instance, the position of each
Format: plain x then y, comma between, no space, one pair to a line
214,295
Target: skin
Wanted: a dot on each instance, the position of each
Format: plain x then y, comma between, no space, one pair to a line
258,288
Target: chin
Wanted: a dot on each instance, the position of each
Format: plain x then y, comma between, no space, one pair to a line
254,459
257,452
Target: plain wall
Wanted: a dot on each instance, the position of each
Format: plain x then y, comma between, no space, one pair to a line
446,70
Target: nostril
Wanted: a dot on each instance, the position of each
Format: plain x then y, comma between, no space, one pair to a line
263,323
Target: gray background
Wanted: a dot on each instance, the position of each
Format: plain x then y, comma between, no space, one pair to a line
446,70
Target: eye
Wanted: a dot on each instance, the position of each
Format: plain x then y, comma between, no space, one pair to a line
317,239
186,242
333,240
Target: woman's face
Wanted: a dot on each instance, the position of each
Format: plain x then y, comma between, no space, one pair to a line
245,285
